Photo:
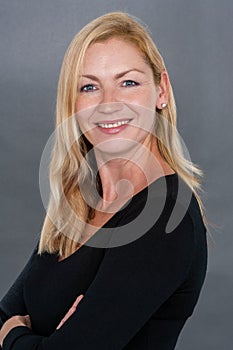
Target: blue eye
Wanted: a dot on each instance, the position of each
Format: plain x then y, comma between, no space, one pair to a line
130,83
87,88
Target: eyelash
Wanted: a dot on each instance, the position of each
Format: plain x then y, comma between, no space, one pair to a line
132,83
85,86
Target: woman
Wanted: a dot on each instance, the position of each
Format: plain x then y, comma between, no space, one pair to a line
119,183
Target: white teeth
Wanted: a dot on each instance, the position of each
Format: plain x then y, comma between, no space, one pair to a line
106,126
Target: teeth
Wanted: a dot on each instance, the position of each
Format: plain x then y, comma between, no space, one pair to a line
106,126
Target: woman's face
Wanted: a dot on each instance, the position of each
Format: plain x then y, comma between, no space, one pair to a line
117,96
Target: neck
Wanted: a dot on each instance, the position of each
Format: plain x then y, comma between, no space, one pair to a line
121,178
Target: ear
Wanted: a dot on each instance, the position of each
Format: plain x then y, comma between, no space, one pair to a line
162,90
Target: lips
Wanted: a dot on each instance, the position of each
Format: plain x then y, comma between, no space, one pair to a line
109,124
114,127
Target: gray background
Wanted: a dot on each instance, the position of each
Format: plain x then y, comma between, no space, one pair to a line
195,39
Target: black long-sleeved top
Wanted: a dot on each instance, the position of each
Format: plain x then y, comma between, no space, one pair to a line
137,295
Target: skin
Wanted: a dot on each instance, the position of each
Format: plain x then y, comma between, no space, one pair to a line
108,90
25,320
104,91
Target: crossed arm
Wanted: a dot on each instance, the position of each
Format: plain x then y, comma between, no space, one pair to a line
133,281
18,320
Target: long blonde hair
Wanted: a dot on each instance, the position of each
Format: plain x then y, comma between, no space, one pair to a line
68,210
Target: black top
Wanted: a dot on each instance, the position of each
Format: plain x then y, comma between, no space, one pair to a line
137,294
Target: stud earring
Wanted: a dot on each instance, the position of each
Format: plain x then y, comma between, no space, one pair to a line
163,105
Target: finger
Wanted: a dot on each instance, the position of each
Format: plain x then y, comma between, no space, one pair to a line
73,307
60,324
71,311
79,298
28,321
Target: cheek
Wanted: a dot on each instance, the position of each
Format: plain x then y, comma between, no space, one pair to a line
146,98
85,130
84,102
79,105
83,119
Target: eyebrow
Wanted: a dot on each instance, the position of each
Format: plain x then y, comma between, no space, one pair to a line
117,76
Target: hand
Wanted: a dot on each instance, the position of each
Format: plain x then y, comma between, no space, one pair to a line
71,311
14,322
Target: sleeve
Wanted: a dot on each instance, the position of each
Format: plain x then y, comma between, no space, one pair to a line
133,281
13,302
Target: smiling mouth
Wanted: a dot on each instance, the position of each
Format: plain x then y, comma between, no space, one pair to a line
113,124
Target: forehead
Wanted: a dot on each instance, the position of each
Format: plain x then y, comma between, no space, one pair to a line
114,51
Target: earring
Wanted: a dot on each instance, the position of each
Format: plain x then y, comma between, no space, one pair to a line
163,105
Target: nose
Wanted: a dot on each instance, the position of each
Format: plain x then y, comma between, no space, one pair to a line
109,103
110,107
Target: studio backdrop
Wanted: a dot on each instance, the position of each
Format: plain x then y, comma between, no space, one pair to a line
195,39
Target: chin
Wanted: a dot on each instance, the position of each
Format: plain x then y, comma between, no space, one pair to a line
117,148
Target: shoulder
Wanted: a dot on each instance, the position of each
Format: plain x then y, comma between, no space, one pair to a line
184,203
165,206
168,205
181,203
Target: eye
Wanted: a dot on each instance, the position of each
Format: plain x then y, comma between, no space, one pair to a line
127,83
87,88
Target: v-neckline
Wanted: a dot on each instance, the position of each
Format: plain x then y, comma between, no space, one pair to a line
113,217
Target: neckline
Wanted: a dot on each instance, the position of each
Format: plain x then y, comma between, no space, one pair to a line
123,207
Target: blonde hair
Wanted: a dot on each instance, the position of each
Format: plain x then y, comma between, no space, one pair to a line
67,175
